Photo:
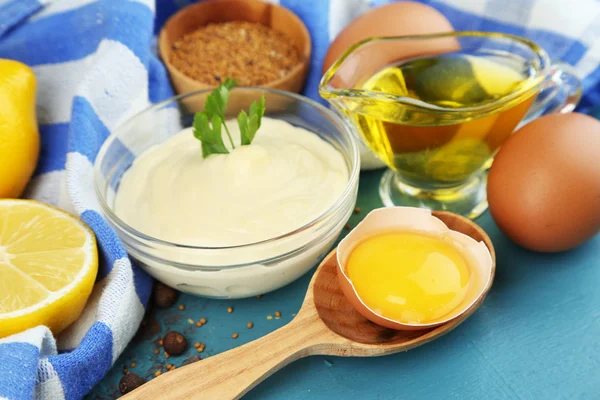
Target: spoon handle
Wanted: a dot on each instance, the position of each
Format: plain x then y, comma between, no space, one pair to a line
232,374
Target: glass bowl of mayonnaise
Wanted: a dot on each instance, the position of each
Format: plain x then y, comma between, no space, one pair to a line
229,225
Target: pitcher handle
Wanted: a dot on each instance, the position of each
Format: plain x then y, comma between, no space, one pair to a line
560,93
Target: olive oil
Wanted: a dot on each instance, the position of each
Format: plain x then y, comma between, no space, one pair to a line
437,135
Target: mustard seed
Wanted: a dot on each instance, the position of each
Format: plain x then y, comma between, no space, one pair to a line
157,373
133,364
250,325
181,307
250,52
235,336
202,321
229,310
277,313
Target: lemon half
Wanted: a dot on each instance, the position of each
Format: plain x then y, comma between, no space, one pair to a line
48,265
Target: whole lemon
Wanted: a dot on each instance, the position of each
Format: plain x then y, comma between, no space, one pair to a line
19,137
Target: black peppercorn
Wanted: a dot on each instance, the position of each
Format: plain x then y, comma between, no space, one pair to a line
174,343
130,382
163,295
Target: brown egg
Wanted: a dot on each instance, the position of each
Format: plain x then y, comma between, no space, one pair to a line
544,185
394,19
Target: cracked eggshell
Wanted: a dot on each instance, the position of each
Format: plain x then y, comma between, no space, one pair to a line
388,219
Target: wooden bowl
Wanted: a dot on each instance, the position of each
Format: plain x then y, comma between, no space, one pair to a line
274,16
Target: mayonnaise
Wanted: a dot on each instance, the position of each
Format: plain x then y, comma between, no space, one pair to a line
285,179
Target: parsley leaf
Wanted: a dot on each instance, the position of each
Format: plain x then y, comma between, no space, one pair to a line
216,103
207,123
249,124
210,136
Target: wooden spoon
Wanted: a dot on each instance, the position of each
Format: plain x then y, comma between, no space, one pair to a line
327,324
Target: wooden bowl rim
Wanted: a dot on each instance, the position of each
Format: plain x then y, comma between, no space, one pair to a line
305,53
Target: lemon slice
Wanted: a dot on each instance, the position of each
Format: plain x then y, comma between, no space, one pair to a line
48,265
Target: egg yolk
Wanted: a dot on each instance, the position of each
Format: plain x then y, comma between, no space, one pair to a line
408,277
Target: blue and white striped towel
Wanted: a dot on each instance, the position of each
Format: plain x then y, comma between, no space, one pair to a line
95,67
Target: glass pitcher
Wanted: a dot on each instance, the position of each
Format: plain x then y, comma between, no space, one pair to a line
436,108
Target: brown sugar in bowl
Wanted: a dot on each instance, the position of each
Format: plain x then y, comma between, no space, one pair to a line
200,14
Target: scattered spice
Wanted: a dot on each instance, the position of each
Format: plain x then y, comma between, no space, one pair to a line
133,364
229,310
175,343
235,336
163,295
130,382
347,227
197,344
252,53
269,317
181,307
250,325
199,324
277,313
201,347
357,210
203,320
191,321
160,342
156,351
169,366
167,355
157,373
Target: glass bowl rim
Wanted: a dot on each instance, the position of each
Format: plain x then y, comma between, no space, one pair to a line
346,128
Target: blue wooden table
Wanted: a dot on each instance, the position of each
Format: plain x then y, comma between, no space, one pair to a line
537,336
